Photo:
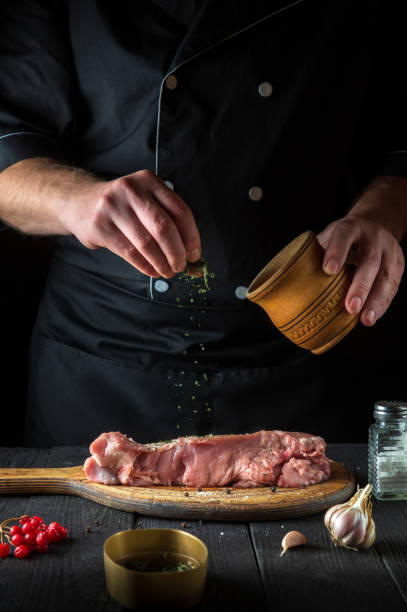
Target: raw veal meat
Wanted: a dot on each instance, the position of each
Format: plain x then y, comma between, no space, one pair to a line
283,458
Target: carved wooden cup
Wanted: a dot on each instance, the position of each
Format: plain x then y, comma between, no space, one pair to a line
303,302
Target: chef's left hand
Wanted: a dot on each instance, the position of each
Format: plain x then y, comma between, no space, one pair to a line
368,237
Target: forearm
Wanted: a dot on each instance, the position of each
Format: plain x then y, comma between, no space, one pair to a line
137,216
384,201
34,193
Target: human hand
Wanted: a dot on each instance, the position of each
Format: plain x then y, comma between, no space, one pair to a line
378,258
136,217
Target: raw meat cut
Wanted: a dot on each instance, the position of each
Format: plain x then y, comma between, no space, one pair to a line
264,458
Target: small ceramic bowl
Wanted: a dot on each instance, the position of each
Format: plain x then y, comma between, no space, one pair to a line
130,556
303,302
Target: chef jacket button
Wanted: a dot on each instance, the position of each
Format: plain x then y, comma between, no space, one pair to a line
240,292
255,193
170,184
171,81
265,89
161,286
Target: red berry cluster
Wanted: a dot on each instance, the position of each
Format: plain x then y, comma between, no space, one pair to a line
31,534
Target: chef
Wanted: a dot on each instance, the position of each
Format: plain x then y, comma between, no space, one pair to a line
146,135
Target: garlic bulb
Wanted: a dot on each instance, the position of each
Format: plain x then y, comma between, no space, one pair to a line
351,524
292,538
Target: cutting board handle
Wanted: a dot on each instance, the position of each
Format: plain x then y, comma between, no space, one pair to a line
68,481
39,480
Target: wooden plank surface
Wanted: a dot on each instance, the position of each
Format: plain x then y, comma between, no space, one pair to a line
391,525
218,503
245,567
233,581
71,576
337,578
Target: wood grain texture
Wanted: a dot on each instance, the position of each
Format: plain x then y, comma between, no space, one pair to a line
70,577
391,534
245,568
233,581
258,503
338,579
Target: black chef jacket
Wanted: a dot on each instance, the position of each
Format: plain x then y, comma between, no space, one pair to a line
267,118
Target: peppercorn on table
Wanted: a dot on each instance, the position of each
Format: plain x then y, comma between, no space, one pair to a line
245,567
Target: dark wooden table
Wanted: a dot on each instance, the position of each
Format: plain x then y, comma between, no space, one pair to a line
246,571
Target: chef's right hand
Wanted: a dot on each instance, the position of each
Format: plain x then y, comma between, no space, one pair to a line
138,218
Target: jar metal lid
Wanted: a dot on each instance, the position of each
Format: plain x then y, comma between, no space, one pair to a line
390,408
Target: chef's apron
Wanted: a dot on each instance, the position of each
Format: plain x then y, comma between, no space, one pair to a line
237,130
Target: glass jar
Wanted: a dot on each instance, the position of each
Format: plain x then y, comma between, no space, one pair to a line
387,452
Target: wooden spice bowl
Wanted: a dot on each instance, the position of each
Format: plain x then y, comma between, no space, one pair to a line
304,303
130,556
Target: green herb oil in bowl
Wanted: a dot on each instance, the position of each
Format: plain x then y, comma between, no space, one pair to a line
158,561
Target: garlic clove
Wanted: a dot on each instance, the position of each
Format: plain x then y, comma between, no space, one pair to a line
329,513
291,539
350,521
369,539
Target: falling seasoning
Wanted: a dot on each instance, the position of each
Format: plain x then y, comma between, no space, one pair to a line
196,277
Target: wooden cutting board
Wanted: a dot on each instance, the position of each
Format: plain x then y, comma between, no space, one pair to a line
217,503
